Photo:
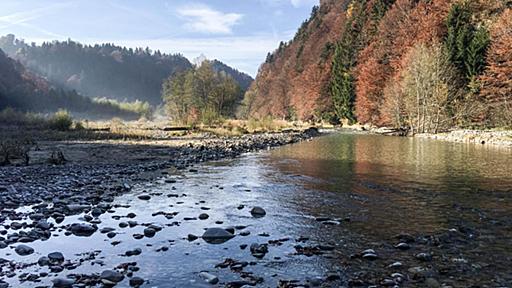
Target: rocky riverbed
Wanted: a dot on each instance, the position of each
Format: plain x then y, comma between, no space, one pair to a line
86,184
170,217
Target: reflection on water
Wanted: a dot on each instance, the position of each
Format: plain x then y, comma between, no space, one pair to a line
384,185
392,180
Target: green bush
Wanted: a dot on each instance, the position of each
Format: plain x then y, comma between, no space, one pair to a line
61,121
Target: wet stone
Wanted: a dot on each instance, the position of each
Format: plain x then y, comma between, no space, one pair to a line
209,278
56,257
144,197
63,283
111,277
81,229
258,212
149,232
217,235
424,257
136,281
23,250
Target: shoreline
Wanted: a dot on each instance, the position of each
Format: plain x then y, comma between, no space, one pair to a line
114,166
497,138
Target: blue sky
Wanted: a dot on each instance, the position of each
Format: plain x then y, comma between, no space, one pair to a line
237,32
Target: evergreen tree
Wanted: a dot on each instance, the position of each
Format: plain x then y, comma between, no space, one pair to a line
466,44
342,86
342,90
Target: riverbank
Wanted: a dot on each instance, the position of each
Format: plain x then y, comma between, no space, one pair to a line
502,138
114,165
481,137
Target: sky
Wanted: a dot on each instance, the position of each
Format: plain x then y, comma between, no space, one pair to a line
239,33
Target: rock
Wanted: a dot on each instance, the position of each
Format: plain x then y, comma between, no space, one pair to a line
424,257
136,282
403,246
191,237
111,277
258,212
204,216
144,197
75,208
62,283
217,235
395,265
369,254
106,230
43,261
210,278
259,250
23,250
311,132
96,212
134,252
149,232
56,257
43,224
81,229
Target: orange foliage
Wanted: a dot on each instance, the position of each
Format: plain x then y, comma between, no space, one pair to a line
497,79
406,24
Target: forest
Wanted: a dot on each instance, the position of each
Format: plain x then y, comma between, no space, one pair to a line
423,66
95,81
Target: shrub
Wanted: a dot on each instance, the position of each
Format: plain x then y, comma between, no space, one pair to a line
61,121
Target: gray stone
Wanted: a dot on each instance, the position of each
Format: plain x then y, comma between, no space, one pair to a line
258,212
56,257
62,283
217,235
210,278
23,250
111,277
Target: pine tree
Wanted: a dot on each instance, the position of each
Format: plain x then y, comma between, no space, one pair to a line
466,44
342,90
475,61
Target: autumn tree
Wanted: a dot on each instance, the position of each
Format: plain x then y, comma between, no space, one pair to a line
200,94
428,90
497,79
358,30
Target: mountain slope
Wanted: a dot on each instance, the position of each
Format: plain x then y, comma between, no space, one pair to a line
293,80
24,91
106,70
369,42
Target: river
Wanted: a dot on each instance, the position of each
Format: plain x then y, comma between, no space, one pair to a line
326,201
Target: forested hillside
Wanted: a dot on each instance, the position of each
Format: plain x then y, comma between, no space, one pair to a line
24,91
106,70
418,64
101,70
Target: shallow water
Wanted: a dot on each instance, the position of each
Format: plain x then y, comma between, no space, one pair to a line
384,185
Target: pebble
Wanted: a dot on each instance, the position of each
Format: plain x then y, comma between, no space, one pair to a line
210,278
111,277
23,250
258,212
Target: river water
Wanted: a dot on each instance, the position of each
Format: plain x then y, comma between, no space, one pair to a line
454,199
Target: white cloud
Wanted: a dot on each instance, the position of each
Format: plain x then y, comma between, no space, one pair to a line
203,19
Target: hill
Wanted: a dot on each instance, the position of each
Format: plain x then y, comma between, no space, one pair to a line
355,60
24,91
106,70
